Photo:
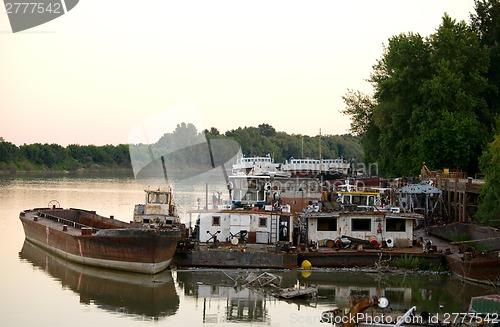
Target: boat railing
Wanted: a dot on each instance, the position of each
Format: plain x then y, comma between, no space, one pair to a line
65,221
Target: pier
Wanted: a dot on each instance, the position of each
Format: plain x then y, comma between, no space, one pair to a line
460,193
460,196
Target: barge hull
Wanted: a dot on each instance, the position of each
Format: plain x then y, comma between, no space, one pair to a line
484,269
235,259
131,249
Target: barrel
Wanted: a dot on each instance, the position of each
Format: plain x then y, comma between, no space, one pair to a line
373,240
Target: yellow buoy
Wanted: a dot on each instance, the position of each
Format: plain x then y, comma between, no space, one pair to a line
306,264
305,273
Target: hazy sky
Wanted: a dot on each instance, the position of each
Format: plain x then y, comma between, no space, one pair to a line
89,76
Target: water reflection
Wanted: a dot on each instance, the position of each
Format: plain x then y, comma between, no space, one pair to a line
428,291
223,302
142,295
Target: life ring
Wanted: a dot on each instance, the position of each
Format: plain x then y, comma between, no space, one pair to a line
54,204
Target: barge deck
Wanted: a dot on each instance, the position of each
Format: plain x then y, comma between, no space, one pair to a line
83,236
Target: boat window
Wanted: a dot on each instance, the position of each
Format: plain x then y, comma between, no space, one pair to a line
157,198
356,199
361,225
215,220
263,222
395,225
327,224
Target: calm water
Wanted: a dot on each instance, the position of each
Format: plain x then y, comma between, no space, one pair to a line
43,290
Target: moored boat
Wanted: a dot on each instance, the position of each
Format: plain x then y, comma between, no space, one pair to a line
473,252
85,237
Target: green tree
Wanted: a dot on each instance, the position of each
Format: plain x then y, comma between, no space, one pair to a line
361,107
486,23
489,208
282,146
397,78
429,102
267,130
9,153
213,132
453,97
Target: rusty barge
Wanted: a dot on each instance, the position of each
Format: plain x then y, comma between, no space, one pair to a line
145,245
472,252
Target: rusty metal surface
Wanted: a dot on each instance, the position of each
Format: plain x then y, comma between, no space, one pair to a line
134,249
235,259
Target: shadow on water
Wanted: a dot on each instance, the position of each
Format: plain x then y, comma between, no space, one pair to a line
153,296
218,300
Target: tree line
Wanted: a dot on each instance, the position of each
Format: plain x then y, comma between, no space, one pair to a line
436,100
254,141
264,139
35,157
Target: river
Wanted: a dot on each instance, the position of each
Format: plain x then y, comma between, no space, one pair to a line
39,289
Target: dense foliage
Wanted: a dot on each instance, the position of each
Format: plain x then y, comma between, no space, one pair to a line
262,140
489,210
435,99
258,141
33,157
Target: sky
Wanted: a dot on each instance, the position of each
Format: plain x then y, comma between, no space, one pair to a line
94,74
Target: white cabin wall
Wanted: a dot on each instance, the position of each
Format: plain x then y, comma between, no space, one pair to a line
206,225
315,235
232,223
402,239
344,226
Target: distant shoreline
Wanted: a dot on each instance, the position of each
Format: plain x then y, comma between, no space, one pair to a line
80,171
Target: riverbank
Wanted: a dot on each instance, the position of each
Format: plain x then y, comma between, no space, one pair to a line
124,172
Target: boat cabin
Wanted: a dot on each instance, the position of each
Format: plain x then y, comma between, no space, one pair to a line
358,200
394,230
158,209
316,166
249,190
254,165
235,226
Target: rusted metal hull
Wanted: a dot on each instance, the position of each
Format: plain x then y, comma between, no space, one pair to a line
473,252
109,243
236,259
484,268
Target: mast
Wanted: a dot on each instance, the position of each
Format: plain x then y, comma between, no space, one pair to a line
302,146
320,157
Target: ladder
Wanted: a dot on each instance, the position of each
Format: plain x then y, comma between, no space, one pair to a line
274,229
